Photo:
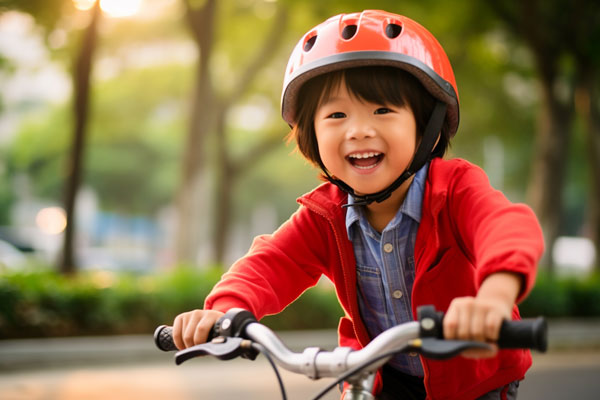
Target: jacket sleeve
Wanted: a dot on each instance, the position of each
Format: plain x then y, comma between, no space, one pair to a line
277,268
498,235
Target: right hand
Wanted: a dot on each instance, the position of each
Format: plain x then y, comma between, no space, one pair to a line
192,327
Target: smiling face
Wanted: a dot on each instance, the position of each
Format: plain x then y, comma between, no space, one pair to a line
386,88
364,143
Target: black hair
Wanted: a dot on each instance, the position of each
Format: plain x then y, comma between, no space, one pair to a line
377,84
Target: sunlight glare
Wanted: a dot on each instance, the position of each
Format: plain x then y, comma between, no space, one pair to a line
83,4
120,8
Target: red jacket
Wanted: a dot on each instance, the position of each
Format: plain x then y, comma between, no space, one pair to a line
468,231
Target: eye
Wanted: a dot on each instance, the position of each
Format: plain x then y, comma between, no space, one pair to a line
383,110
337,115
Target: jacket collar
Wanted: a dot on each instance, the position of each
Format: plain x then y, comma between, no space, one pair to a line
327,199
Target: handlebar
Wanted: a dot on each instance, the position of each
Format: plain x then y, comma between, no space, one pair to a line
237,334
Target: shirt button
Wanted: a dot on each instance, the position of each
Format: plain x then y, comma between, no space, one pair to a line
397,294
388,247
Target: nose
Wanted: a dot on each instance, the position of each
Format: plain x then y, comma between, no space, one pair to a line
360,128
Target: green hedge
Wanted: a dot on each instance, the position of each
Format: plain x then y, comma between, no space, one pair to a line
556,297
42,303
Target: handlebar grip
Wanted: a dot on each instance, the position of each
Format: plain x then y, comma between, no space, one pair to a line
526,333
163,338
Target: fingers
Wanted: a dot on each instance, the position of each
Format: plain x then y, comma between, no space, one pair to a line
468,318
178,326
204,327
492,326
193,327
189,331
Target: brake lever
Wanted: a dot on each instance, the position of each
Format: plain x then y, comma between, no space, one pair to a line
438,349
223,348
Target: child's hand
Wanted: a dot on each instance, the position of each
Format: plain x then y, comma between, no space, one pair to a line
192,328
469,318
479,318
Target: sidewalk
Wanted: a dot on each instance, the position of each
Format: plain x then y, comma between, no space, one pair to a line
563,335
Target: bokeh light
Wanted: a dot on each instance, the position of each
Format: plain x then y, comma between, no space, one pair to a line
51,220
120,8
114,8
83,4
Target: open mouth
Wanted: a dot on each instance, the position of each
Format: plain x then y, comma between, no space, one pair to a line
365,160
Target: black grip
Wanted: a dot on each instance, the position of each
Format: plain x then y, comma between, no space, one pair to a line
163,338
526,333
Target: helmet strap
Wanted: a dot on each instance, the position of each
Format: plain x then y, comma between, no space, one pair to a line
421,157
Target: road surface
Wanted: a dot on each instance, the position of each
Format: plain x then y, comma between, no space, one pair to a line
554,376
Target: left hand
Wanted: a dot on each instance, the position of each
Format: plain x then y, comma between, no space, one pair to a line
479,318
469,318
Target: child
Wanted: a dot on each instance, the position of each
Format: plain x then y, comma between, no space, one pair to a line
372,100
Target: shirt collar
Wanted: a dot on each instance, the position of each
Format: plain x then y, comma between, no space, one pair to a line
411,207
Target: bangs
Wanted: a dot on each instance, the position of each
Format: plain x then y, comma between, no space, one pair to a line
378,85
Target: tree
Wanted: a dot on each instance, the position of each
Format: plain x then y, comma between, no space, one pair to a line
189,196
560,37
209,111
584,37
81,103
47,14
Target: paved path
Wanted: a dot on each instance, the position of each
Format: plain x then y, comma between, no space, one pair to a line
555,376
205,380
131,368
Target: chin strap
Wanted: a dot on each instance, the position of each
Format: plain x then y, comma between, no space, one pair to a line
422,156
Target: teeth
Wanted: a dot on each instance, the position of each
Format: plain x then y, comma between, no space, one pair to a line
364,155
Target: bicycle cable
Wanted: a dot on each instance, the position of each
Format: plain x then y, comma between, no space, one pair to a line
353,371
261,349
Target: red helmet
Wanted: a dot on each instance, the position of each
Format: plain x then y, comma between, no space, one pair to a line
371,38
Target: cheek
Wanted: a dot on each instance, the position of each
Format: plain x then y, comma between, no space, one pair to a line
405,152
325,152
328,151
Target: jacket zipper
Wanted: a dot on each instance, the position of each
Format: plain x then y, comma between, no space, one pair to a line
317,210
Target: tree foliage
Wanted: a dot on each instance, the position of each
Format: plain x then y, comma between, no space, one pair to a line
142,117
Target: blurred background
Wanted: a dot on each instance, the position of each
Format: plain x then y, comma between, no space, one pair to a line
141,150
141,147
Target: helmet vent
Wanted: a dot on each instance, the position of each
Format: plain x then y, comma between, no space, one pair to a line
310,43
393,30
349,31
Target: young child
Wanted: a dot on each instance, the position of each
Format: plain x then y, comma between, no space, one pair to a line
372,101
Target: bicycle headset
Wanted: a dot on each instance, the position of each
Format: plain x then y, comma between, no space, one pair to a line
376,38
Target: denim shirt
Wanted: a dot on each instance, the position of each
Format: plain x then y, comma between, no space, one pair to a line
385,267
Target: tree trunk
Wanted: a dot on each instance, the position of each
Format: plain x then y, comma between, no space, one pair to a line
554,124
190,197
228,169
81,80
224,185
549,165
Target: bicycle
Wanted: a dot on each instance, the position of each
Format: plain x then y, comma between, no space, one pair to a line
238,334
